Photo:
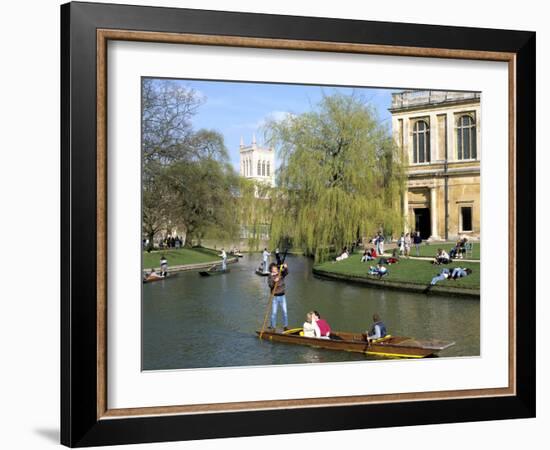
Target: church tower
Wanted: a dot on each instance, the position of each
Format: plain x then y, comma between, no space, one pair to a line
257,163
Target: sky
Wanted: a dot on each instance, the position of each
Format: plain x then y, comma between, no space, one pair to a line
238,109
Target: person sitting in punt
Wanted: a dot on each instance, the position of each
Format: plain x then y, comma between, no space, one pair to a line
442,257
311,329
323,325
343,255
153,275
379,270
378,329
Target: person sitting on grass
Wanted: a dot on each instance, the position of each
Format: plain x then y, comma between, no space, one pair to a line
379,270
394,258
459,249
367,255
442,257
311,329
378,329
323,325
343,255
460,272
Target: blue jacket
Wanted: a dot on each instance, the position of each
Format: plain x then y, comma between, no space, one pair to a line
383,330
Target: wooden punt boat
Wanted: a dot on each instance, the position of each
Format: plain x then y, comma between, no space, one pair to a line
387,347
210,273
261,273
237,254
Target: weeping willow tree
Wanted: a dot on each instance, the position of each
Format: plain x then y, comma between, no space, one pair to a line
340,176
255,203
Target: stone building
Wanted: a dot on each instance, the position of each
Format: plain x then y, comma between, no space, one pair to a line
257,163
440,135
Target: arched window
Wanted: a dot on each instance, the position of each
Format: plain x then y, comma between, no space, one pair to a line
268,174
421,142
259,168
466,138
263,168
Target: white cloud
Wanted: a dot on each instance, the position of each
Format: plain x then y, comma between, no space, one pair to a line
273,115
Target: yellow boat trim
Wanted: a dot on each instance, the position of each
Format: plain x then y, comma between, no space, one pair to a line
293,330
386,337
395,355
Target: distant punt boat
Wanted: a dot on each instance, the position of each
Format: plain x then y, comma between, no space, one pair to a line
261,273
210,273
239,254
387,347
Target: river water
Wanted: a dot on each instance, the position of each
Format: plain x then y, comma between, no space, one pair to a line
191,321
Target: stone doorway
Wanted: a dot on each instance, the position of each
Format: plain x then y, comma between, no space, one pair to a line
422,222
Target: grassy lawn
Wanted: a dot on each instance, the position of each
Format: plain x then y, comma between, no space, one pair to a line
177,257
407,270
431,249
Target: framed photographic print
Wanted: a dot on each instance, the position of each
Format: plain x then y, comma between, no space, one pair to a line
278,224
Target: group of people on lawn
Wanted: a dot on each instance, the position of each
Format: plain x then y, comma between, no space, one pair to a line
404,244
403,249
457,252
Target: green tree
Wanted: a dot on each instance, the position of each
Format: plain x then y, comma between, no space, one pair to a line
186,179
340,176
254,203
203,198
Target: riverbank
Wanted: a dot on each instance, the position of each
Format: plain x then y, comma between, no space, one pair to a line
412,275
182,259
